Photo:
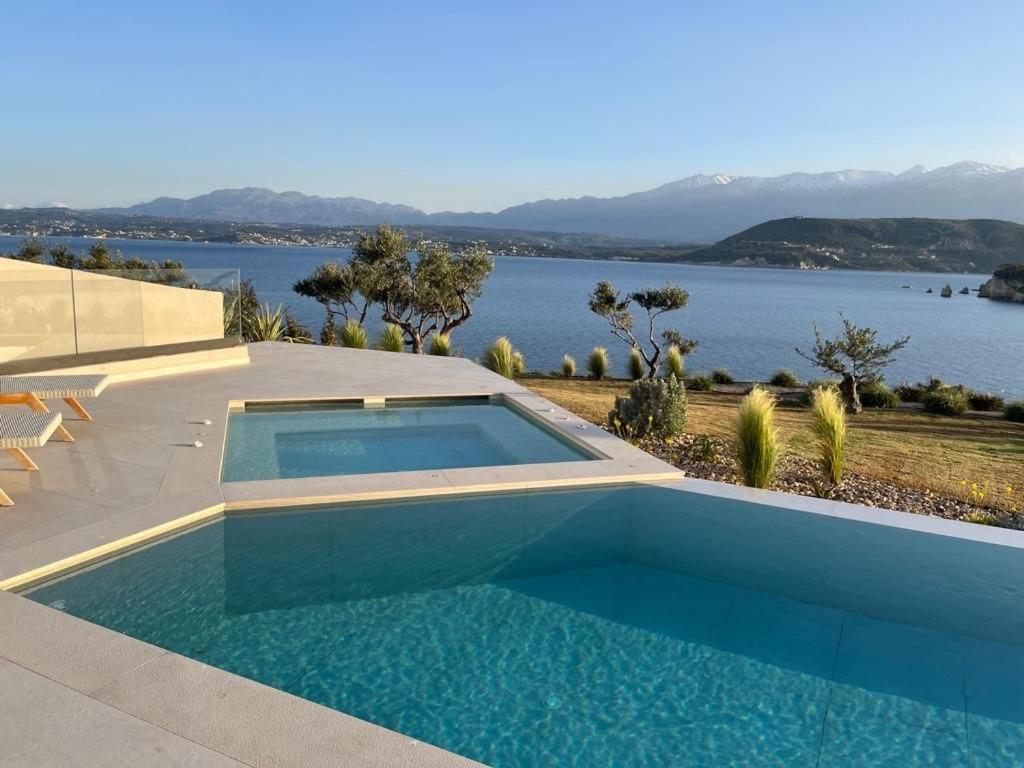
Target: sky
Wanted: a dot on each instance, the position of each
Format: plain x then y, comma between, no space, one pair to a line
484,104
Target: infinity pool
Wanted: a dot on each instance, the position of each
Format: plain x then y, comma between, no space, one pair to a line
315,440
610,627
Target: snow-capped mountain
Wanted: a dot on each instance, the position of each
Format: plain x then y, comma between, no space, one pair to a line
706,208
700,208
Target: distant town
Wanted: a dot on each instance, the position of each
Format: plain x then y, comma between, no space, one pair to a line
65,222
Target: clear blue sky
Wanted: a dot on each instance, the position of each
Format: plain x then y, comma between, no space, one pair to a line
478,105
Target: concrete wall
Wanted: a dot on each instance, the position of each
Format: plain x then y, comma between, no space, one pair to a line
47,311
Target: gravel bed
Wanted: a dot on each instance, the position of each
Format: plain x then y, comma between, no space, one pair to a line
712,459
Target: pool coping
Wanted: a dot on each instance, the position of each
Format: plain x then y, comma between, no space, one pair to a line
211,707
244,722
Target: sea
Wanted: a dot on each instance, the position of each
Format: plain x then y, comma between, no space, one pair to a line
748,320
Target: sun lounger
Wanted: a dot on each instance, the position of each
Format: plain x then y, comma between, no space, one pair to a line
20,430
32,390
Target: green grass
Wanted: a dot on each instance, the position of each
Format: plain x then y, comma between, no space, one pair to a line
392,339
501,358
637,367
757,439
828,421
910,448
597,363
568,366
440,345
674,363
353,336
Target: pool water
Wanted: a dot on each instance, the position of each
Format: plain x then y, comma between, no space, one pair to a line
313,441
541,630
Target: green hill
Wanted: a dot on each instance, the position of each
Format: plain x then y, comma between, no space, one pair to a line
925,245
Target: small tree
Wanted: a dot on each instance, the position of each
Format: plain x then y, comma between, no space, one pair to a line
855,356
31,249
609,304
434,294
61,255
337,288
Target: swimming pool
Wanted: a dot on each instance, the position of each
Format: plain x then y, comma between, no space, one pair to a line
614,626
310,440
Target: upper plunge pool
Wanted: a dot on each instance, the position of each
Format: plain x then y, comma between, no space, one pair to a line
312,440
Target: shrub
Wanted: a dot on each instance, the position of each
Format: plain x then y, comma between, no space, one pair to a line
1014,411
910,393
568,366
518,363
784,378
722,376
392,339
295,331
829,423
878,394
654,407
353,335
440,345
674,362
500,358
701,382
267,323
704,448
985,401
757,439
597,363
637,368
947,402
981,517
329,333
807,398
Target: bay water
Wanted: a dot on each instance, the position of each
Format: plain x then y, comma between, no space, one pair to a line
748,320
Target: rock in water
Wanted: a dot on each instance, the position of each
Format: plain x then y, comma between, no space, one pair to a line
947,291
1007,284
965,291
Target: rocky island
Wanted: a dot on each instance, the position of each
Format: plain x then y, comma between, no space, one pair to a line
1006,284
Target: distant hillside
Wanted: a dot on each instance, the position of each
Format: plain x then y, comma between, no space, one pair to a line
264,206
701,208
938,245
65,222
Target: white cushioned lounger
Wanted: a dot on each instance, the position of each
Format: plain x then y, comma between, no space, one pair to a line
24,429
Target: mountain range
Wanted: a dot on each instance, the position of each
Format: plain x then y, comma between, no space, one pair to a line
701,208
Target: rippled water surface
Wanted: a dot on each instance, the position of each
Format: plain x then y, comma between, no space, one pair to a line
530,632
748,320
318,441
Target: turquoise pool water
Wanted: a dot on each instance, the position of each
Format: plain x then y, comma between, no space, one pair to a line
311,441
574,629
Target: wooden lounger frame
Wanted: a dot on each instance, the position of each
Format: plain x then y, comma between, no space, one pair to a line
37,405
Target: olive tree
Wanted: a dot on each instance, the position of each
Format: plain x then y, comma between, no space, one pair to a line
617,310
431,293
855,356
337,288
31,249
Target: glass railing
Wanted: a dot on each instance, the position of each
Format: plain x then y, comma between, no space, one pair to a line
48,311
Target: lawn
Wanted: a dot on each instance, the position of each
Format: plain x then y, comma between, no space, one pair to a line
910,448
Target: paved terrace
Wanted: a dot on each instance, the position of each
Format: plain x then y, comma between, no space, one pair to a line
73,693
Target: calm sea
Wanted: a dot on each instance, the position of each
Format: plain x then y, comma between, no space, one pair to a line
748,320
